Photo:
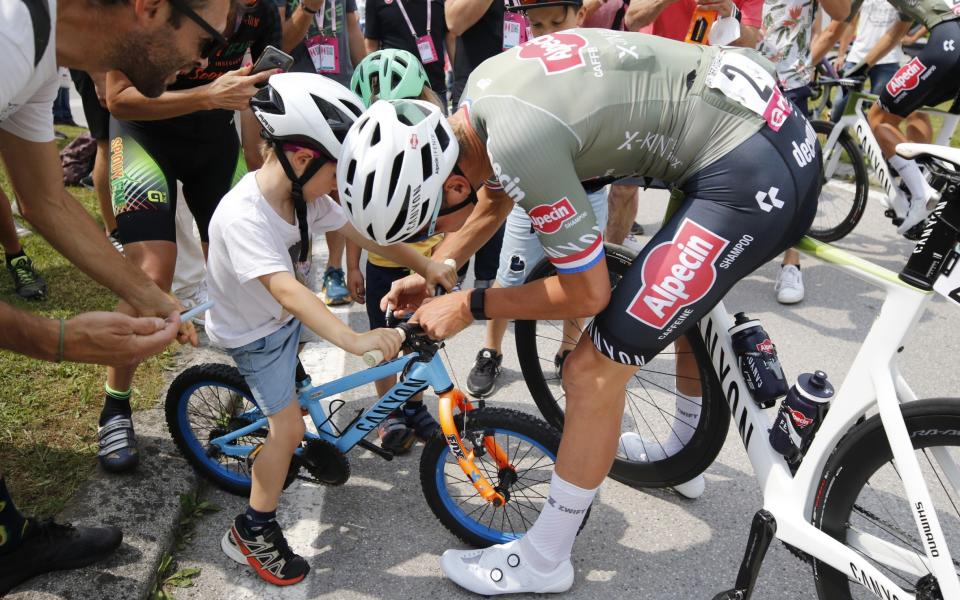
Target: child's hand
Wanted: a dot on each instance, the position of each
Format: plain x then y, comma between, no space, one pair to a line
355,285
387,341
441,273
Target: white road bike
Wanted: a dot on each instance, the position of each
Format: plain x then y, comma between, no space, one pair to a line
874,506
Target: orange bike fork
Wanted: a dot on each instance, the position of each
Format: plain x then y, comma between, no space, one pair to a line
466,459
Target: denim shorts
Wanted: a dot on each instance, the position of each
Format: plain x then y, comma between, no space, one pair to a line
269,366
521,250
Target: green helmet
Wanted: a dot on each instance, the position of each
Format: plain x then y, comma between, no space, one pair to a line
389,75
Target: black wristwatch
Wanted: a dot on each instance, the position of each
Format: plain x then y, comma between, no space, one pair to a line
736,13
477,304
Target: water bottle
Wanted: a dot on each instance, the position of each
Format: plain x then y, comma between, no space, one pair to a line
757,357
801,414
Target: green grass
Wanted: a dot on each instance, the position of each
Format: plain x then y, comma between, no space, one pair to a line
48,412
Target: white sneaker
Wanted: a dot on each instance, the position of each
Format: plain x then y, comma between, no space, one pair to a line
636,449
919,210
198,297
502,569
789,286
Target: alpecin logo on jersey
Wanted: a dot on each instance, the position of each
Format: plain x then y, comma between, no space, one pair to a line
677,274
547,218
557,52
907,78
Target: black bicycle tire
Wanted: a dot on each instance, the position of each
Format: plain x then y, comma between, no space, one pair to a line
712,428
213,373
858,455
436,449
861,185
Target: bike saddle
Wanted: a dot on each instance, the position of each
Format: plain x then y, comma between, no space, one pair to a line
919,151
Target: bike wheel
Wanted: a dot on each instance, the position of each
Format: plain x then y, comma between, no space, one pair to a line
205,402
532,447
862,500
677,450
846,184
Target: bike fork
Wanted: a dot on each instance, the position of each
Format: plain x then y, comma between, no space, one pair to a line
762,532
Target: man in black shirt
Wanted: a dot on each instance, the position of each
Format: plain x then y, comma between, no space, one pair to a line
403,24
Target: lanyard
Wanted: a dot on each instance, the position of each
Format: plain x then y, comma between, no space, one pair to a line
322,14
407,19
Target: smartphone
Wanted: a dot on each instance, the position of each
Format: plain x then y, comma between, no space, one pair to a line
188,315
272,58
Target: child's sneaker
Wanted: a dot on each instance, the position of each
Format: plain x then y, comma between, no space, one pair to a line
418,418
394,434
266,551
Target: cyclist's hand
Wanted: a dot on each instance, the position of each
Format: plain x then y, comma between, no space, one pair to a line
159,304
405,295
356,286
441,273
233,90
444,316
116,339
858,71
387,341
838,63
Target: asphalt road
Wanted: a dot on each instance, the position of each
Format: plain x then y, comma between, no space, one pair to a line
375,537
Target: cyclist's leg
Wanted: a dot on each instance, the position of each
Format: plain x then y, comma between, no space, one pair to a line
144,200
205,182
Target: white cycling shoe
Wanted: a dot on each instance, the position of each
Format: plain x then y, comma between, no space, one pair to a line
919,211
502,569
636,449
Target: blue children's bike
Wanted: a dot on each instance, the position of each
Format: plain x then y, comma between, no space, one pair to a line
485,474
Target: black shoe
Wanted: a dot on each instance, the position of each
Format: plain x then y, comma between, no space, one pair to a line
636,228
266,551
26,280
483,376
87,181
49,546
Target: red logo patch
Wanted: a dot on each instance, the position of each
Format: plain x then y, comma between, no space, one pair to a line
800,420
547,218
557,52
907,78
677,274
766,346
414,141
777,111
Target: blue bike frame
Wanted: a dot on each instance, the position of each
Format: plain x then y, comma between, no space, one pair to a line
422,375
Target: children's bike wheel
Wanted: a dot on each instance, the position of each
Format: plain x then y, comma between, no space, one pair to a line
205,402
531,446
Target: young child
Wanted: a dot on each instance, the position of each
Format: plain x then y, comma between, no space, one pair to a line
259,254
391,75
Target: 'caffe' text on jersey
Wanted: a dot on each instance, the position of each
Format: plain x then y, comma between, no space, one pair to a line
586,103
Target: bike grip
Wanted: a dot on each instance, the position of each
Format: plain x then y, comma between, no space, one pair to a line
372,358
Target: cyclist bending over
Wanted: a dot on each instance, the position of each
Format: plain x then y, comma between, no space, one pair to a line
708,120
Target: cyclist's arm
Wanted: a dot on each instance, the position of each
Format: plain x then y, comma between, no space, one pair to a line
37,178
837,10
827,38
126,103
28,334
398,253
461,15
297,23
488,215
887,42
358,48
309,309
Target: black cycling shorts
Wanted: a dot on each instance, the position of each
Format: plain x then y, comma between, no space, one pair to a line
932,77
145,165
98,117
738,213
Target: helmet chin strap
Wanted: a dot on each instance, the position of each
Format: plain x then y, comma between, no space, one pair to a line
296,193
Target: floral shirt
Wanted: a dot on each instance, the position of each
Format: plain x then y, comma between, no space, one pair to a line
787,36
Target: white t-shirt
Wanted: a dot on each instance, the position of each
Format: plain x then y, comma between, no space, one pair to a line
249,239
26,92
876,17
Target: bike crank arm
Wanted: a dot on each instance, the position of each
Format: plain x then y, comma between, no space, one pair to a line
762,532
466,459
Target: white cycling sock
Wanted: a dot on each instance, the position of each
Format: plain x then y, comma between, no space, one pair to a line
910,173
687,418
550,540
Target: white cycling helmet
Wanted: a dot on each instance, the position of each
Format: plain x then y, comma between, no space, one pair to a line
306,109
394,163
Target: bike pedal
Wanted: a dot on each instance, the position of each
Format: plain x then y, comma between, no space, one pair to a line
762,531
730,595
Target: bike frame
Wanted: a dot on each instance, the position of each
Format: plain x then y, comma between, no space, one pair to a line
874,380
854,117
421,375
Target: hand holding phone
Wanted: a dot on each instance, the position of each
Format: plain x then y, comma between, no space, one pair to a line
272,58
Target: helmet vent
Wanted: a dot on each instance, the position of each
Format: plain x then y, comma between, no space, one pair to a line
368,190
351,170
375,138
425,157
404,119
442,137
395,174
401,219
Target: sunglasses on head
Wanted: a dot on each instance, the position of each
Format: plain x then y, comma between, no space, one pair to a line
216,40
